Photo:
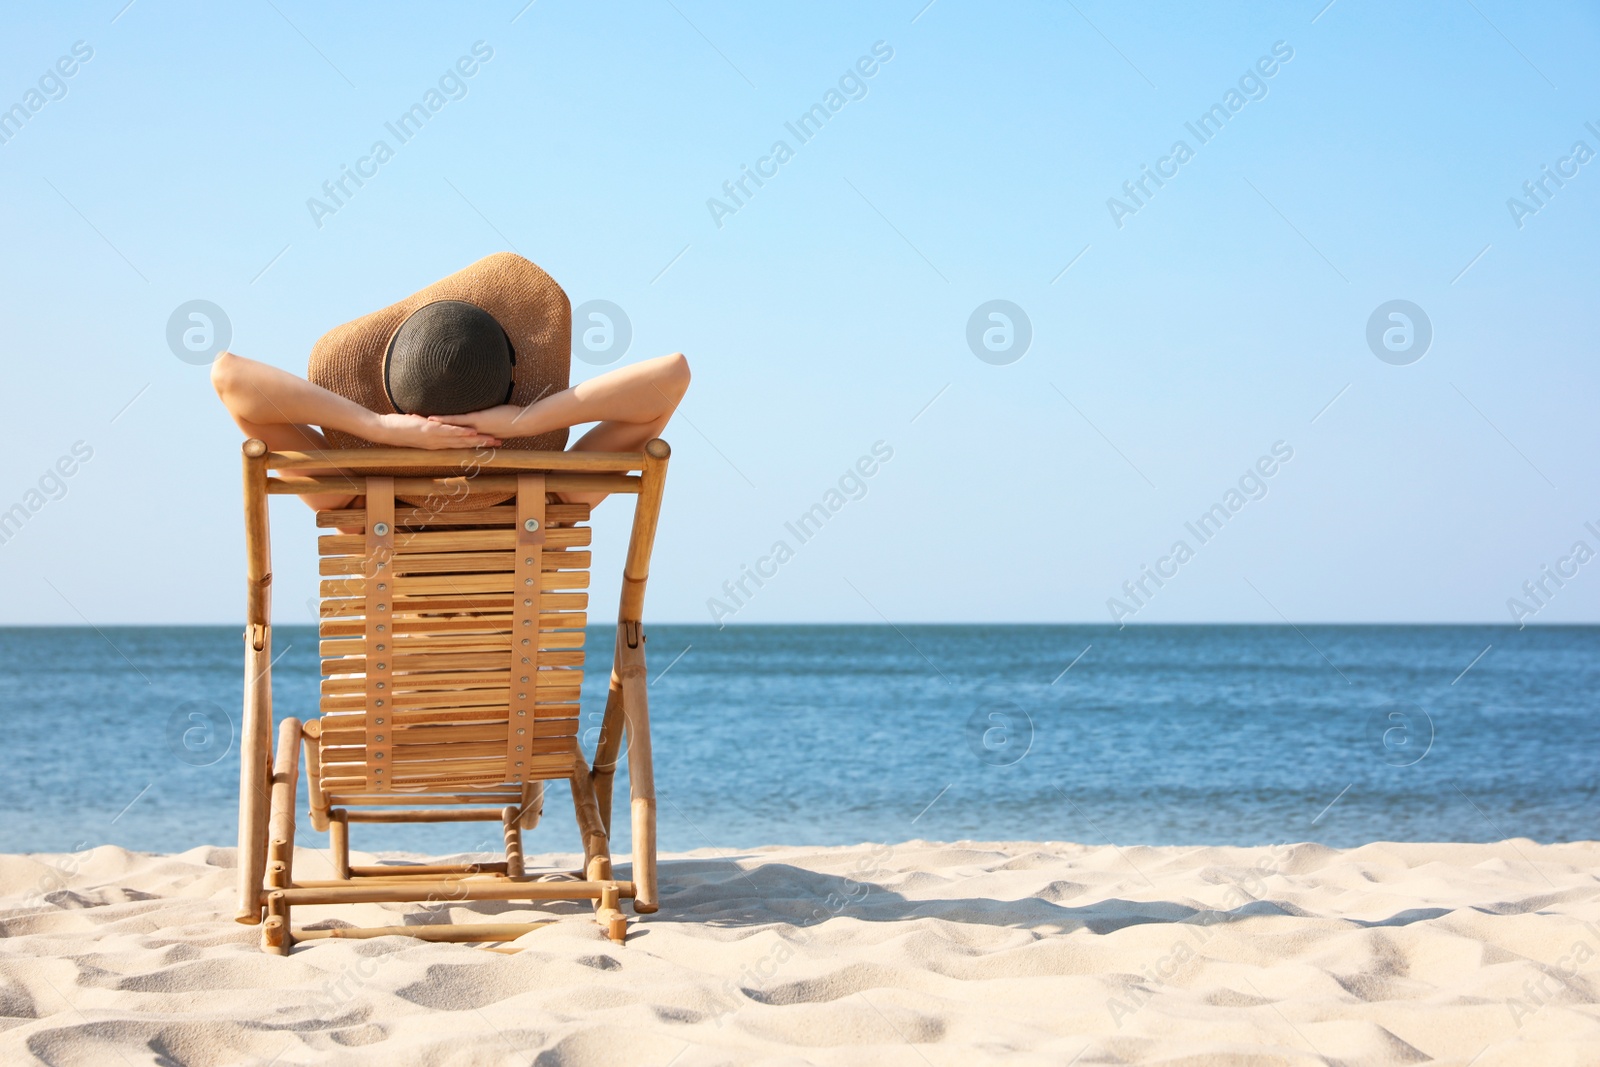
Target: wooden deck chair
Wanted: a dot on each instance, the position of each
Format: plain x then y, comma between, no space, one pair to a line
452,651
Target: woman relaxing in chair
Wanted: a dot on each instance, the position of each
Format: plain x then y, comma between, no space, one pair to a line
476,360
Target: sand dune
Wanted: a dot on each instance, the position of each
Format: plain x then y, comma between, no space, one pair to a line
916,953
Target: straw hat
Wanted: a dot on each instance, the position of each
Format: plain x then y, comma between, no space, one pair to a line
352,360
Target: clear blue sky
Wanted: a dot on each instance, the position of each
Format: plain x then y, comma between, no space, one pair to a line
825,313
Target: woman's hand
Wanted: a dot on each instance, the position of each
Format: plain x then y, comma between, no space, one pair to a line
414,431
498,421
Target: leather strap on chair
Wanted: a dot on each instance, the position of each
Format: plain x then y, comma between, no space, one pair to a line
525,623
378,571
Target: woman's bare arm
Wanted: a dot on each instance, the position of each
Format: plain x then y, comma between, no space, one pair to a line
639,395
631,405
262,395
285,411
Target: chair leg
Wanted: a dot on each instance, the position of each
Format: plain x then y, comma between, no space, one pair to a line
255,771
509,819
339,842
275,932
532,804
641,776
596,844
608,749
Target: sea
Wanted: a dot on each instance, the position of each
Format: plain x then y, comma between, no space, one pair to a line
835,735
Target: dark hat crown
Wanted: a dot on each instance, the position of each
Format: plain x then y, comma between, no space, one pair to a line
449,357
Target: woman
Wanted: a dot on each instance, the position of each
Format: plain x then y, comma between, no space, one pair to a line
478,359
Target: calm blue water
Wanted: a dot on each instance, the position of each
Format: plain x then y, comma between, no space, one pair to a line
842,734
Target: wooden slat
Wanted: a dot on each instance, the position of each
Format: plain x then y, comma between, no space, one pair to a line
461,584
547,639
456,562
499,515
401,700
549,739
444,733
449,490
433,680
488,770
412,627
407,625
487,796
451,661
544,711
450,461
361,892
454,750
502,540
453,607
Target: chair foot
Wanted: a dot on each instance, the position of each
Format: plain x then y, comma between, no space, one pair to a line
610,916
275,936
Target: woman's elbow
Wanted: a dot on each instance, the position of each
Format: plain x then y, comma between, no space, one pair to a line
675,371
229,377
225,375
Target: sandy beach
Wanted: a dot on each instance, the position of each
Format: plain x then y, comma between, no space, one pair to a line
914,953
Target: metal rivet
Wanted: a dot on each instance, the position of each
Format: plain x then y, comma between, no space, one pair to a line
527,581
519,749
527,603
377,755
520,731
525,659
383,607
380,666
378,738
522,696
521,713
382,585
381,529
524,641
519,763
531,525
529,561
380,685
380,649
378,721
381,627
524,677
378,703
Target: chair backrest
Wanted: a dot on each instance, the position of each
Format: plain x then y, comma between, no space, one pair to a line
451,643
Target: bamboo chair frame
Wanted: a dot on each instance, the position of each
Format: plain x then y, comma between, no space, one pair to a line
341,792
